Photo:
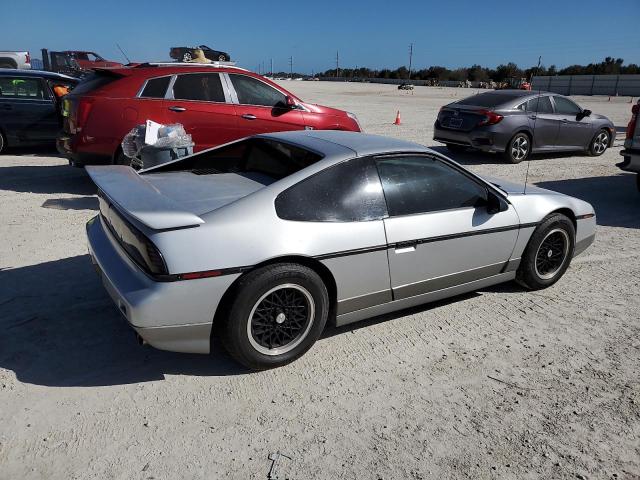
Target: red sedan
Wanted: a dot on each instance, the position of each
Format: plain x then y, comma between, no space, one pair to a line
215,104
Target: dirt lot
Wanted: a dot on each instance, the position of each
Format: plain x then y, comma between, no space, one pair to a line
500,383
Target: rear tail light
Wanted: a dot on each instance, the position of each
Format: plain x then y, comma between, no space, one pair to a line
82,113
631,127
28,57
489,117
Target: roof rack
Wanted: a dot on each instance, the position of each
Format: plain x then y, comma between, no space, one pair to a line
213,64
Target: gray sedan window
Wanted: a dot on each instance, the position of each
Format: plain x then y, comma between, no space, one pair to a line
538,105
347,192
565,106
420,184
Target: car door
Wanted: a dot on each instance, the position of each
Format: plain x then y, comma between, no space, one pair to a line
440,232
575,128
542,121
337,216
28,109
262,108
201,103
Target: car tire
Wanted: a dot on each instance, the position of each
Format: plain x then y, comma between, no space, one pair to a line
186,57
518,149
276,315
222,58
600,142
452,147
548,254
3,143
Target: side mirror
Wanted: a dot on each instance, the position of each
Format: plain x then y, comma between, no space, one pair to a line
584,113
495,203
291,103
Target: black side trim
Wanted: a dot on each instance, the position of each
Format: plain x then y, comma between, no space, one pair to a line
585,216
355,251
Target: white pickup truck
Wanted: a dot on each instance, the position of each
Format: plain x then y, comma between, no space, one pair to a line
631,152
20,60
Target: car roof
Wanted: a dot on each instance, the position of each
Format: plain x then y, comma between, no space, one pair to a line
12,72
360,143
170,68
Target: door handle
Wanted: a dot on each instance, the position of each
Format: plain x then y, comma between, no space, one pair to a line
177,109
564,121
533,117
249,116
406,247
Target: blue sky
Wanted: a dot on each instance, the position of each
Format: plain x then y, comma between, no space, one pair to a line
370,33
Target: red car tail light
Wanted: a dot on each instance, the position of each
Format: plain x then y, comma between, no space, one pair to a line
82,112
28,57
489,117
631,127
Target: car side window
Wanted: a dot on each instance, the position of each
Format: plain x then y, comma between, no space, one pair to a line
421,184
347,192
23,88
205,87
156,87
254,92
539,105
564,106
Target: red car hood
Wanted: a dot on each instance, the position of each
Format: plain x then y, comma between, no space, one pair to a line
315,108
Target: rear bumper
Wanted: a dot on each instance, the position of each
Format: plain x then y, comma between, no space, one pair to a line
631,161
483,139
175,316
66,145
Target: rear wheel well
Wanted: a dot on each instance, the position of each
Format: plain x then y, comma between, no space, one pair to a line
317,266
8,61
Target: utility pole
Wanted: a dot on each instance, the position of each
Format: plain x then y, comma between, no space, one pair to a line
410,58
290,67
271,72
337,64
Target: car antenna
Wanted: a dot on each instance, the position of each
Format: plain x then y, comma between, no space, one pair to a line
123,54
535,119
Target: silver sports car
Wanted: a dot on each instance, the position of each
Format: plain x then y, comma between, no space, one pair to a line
258,243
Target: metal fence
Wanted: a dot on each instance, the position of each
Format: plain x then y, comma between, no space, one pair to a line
625,85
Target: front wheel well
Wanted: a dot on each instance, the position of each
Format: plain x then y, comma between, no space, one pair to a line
567,212
315,265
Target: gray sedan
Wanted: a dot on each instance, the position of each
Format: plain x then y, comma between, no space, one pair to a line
257,244
516,123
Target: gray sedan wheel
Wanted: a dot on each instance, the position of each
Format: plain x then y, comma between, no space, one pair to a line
276,315
519,148
600,143
548,253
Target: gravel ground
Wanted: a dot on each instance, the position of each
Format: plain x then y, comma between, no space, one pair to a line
501,383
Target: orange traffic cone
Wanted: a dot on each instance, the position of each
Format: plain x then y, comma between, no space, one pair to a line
398,121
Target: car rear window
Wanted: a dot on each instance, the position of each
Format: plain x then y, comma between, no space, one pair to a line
488,100
93,82
156,87
26,88
263,160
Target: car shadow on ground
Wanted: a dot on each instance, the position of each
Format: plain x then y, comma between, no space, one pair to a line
46,179
476,157
615,198
34,151
61,329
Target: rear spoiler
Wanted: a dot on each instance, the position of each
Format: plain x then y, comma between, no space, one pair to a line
139,199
